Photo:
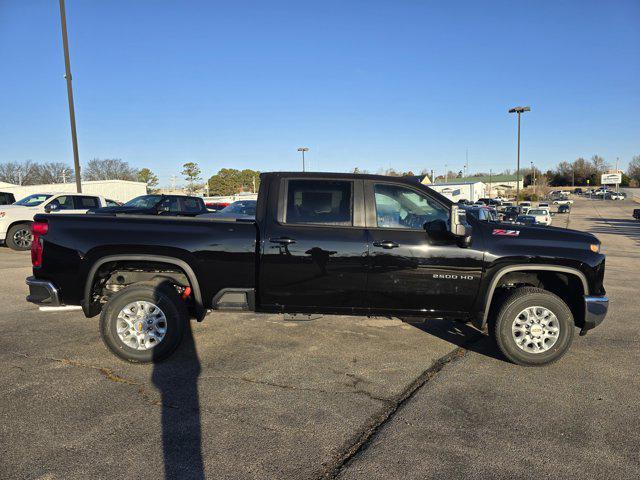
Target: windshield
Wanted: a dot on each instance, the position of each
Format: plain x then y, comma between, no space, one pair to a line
144,201
537,212
33,200
245,207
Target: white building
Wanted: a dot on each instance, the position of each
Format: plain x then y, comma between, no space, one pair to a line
461,191
121,190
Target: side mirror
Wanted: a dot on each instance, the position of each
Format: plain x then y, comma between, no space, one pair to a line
163,208
51,207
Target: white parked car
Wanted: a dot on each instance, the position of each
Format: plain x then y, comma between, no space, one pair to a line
617,196
542,215
563,202
16,219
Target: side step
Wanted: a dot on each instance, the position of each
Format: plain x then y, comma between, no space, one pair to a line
301,317
235,299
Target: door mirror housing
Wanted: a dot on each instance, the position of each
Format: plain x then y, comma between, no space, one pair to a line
460,230
51,207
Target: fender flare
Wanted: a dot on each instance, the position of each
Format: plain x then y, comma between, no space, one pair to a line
193,280
524,267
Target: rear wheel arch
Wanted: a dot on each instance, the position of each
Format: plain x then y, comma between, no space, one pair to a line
547,277
92,308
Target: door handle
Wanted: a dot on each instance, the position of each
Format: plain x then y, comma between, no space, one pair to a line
282,240
386,244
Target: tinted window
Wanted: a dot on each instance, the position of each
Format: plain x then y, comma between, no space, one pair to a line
169,204
324,202
192,205
401,207
144,201
244,207
83,203
112,203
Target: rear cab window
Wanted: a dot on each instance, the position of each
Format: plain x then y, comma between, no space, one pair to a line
319,202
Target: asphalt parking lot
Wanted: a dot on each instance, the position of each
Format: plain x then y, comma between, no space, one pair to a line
254,396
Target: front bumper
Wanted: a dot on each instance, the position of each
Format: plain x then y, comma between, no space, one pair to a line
595,309
43,293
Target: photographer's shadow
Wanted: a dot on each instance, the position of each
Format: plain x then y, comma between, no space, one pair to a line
177,380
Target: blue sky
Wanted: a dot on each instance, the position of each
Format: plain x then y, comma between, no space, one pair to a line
373,84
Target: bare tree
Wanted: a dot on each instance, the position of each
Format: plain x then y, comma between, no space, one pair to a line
18,173
109,169
634,169
53,172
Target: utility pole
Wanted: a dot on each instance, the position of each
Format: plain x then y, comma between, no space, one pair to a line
466,163
72,113
446,174
533,178
173,183
519,111
303,149
617,171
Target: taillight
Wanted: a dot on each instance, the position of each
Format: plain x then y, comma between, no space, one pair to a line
37,230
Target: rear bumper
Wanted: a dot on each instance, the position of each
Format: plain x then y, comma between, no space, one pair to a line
43,293
595,309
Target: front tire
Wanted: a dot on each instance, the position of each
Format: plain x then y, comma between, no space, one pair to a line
144,322
19,237
533,327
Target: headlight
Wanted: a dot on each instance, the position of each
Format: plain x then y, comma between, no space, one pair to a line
595,247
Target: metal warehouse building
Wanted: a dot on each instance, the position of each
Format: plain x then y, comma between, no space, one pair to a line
121,190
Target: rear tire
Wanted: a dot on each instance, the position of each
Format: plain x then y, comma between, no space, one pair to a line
144,322
19,237
533,327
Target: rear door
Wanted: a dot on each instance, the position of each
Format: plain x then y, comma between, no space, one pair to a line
413,271
314,248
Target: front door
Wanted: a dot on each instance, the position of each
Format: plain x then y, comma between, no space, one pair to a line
411,270
314,254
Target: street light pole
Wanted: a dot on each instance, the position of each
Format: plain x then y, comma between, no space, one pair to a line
72,113
519,111
303,149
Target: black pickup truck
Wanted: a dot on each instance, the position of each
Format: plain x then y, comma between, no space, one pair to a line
323,243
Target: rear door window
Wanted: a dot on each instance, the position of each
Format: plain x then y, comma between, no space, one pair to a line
192,205
319,202
85,203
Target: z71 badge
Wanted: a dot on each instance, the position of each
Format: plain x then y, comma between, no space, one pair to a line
506,233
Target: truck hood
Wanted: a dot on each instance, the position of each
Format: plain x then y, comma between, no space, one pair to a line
539,238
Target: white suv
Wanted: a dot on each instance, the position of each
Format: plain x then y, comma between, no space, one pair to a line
16,219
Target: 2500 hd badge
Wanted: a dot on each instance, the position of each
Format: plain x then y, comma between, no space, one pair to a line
452,276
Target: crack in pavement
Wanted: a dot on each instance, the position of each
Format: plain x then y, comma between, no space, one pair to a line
285,386
361,441
107,373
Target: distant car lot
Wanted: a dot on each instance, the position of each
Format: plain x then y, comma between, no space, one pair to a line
255,396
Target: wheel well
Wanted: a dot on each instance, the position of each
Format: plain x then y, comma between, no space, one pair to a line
19,222
113,276
569,287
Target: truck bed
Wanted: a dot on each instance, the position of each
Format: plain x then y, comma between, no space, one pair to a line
221,253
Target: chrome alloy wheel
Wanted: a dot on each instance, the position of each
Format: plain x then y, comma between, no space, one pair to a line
141,325
535,329
22,238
